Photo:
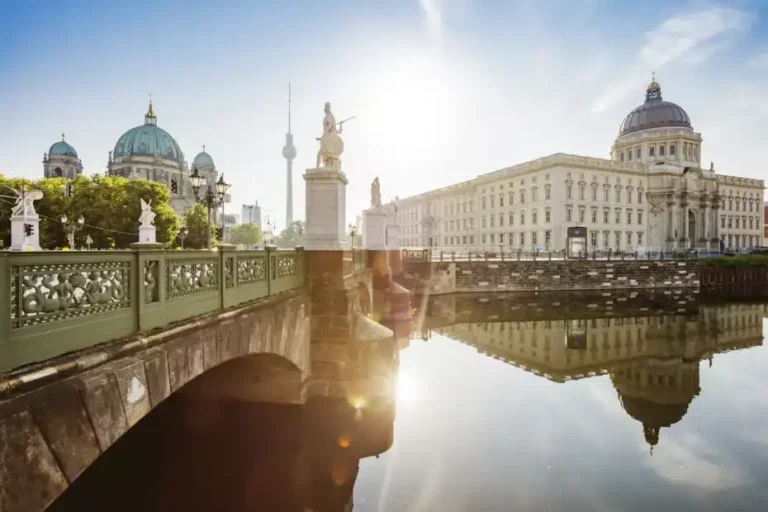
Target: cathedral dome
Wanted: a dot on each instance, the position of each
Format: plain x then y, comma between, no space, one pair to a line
655,113
202,158
148,140
61,148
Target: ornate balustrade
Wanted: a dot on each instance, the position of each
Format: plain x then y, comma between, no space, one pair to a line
52,303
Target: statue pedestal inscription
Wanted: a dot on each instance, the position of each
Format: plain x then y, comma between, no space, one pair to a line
326,196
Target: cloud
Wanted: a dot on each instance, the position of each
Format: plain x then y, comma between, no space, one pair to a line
693,37
433,16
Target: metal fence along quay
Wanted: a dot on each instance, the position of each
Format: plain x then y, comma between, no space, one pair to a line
58,302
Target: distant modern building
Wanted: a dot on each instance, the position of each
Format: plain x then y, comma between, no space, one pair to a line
251,214
652,191
61,161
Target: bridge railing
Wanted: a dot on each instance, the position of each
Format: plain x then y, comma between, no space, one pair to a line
52,303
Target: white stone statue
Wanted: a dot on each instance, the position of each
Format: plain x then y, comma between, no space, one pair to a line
331,145
25,203
147,216
375,193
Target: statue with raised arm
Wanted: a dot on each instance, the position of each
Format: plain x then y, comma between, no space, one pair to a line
331,145
375,193
147,216
25,203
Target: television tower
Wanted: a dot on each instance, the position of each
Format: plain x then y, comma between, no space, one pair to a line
289,153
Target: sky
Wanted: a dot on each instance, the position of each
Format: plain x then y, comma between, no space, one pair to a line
442,90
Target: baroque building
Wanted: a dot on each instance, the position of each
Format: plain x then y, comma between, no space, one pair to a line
651,193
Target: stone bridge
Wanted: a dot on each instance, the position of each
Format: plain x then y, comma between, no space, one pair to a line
92,342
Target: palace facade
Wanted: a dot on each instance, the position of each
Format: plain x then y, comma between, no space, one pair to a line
652,193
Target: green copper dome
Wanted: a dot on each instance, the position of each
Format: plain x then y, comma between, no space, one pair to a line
202,158
61,148
148,140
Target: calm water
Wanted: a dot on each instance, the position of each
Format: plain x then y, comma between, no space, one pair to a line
504,403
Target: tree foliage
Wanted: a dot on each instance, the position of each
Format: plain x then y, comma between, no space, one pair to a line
196,222
110,206
292,235
245,234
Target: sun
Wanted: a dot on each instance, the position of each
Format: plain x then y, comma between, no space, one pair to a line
410,389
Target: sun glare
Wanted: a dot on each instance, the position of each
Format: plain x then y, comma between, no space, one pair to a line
410,389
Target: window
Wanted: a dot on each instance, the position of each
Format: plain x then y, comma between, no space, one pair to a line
651,152
605,216
640,237
605,239
501,238
629,197
547,192
472,240
493,238
511,219
547,238
501,219
534,239
547,216
618,195
730,222
522,197
594,194
672,149
621,156
492,201
638,153
661,150
511,239
493,220
640,217
522,239
616,238
593,238
737,222
581,215
750,223
534,217
568,192
737,205
618,216
568,215
605,195
639,197
629,216
730,204
483,238
522,218
629,157
581,192
483,203
482,219
629,238
594,215
511,198
534,194
501,201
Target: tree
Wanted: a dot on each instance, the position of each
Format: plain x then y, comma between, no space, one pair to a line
196,222
292,235
245,234
109,205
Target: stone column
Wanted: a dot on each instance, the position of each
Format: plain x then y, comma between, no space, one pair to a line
707,214
684,219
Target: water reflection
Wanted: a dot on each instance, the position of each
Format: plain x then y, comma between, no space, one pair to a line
651,356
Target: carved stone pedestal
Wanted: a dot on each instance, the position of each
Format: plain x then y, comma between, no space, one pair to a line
326,194
375,230
19,240
147,234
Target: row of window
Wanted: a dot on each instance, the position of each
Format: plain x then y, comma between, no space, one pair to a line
740,241
606,194
690,151
617,236
747,205
606,216
511,216
741,222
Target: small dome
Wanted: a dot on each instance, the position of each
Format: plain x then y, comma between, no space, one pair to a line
655,113
61,148
203,158
148,140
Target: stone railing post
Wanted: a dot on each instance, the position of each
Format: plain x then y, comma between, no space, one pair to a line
148,276
5,300
227,273
270,267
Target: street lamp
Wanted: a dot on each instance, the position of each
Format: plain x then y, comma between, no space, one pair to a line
71,228
211,200
352,231
182,235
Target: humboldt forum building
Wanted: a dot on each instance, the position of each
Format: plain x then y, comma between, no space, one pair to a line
653,193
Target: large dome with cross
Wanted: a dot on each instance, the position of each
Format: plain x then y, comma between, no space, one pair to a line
655,113
148,140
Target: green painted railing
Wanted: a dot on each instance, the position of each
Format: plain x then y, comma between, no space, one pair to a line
53,303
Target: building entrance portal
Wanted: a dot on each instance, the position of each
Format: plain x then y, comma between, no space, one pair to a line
576,242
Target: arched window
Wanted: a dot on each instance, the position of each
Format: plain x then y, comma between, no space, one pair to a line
58,173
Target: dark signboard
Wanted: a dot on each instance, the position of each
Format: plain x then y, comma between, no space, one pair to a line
577,232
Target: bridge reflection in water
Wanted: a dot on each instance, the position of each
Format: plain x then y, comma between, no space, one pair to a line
198,453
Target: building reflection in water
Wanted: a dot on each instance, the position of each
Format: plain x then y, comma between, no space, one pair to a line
651,356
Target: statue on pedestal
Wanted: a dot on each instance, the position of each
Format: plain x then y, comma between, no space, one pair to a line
331,145
147,216
25,203
376,193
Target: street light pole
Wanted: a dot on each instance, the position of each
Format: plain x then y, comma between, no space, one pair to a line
71,228
211,200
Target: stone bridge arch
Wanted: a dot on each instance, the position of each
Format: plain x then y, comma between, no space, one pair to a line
52,434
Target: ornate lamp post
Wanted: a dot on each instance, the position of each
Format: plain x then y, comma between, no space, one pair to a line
352,232
71,228
268,235
211,200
